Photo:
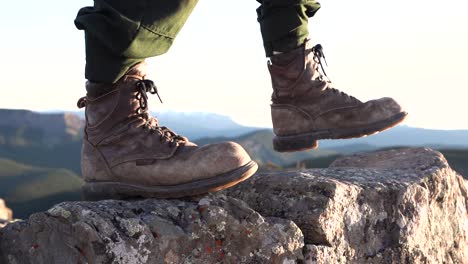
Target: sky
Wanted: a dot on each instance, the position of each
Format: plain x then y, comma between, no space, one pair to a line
414,51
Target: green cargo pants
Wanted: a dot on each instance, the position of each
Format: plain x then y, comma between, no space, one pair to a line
122,33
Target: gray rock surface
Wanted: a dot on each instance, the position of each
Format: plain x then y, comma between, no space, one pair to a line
397,206
212,230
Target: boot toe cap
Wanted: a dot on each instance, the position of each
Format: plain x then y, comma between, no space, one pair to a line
227,156
384,108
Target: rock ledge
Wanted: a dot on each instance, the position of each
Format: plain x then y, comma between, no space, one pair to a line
397,206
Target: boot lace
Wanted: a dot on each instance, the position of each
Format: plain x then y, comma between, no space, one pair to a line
317,51
144,87
152,124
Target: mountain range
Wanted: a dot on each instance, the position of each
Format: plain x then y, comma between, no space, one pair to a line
199,126
27,128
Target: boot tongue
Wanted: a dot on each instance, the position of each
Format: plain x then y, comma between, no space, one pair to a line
138,71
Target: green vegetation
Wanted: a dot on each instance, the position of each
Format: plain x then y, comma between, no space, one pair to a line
458,160
258,145
43,140
65,155
321,162
28,189
20,136
11,168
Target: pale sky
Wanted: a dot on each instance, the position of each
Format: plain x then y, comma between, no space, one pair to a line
415,51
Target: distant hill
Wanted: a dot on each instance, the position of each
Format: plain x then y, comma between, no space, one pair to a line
406,136
45,140
398,136
27,128
453,144
28,189
65,155
258,145
196,125
321,162
457,159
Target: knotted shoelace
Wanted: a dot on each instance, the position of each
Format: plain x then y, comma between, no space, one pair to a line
165,134
317,51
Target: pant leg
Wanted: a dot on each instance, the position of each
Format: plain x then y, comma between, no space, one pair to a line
284,23
122,33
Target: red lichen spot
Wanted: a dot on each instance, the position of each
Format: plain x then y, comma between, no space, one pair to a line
219,243
248,232
35,246
208,250
81,251
202,209
221,256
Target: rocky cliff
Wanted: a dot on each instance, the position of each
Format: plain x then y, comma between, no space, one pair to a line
398,206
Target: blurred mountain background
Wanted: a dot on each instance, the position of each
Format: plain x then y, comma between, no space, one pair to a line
40,152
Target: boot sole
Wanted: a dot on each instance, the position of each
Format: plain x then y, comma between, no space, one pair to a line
94,191
309,140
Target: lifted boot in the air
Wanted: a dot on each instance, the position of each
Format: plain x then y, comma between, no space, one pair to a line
305,108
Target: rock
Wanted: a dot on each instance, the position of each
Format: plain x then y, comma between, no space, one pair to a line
408,158
397,206
212,230
6,215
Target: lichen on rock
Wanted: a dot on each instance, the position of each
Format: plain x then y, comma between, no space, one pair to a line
396,206
215,229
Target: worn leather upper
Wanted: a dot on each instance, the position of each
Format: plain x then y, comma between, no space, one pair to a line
303,99
124,143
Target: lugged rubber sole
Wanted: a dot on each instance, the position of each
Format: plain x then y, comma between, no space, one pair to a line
309,140
94,191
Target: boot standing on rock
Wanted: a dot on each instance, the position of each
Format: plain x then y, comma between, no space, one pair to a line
127,153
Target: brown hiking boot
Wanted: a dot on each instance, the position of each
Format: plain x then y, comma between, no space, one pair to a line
126,154
305,108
